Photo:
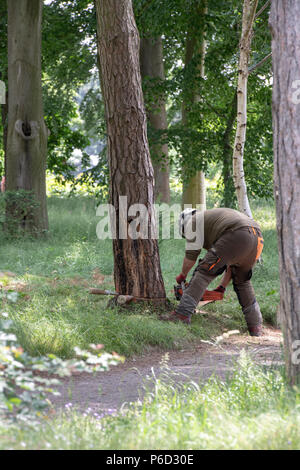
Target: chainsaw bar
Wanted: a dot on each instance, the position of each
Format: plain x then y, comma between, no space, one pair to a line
202,304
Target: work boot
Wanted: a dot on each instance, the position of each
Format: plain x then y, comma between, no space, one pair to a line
187,305
255,330
253,319
176,317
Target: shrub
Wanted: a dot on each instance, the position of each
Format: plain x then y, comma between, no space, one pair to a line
26,382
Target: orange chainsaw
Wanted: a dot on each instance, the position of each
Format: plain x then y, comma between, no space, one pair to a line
209,295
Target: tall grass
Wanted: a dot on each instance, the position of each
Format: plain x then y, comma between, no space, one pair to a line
252,410
55,312
255,409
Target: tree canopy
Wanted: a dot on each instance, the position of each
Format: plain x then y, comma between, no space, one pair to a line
73,105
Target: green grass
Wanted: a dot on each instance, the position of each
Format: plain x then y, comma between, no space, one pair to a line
56,313
252,410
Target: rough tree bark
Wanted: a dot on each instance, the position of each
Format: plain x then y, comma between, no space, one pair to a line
27,133
194,190
285,27
152,66
249,10
137,268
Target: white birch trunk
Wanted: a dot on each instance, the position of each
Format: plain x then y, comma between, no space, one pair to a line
249,10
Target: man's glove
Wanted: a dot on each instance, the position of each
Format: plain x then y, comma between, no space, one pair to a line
181,278
220,289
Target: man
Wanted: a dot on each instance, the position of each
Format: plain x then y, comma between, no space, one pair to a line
234,243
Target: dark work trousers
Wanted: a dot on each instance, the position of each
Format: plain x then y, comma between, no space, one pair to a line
238,249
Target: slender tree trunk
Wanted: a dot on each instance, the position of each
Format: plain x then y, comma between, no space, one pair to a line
137,268
229,193
152,66
194,192
27,133
194,189
249,10
4,115
285,26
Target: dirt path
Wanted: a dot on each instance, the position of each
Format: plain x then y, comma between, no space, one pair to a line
107,391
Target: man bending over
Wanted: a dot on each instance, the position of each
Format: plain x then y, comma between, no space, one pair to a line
234,243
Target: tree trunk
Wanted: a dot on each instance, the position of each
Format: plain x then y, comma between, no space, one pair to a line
137,268
4,114
194,189
27,133
152,66
249,10
285,26
228,195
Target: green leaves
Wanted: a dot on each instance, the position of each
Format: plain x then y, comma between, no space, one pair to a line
205,141
24,393
69,56
69,61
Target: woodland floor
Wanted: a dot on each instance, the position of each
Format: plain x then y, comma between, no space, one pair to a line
107,392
